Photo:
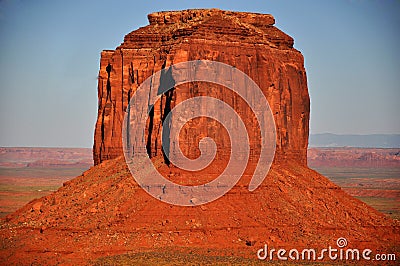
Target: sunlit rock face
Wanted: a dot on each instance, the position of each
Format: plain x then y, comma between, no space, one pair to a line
247,41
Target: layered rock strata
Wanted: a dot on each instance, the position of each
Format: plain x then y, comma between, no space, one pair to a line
247,41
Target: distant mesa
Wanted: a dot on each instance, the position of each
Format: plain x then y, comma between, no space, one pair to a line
354,157
17,157
357,141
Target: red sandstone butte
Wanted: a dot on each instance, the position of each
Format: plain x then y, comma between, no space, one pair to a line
104,212
247,41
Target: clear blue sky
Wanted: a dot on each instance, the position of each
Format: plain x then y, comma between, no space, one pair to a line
50,50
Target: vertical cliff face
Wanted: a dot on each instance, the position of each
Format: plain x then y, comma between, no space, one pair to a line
246,41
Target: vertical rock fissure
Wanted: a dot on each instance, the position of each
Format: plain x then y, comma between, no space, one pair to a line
150,131
108,97
108,69
131,72
167,84
151,114
122,80
168,100
290,111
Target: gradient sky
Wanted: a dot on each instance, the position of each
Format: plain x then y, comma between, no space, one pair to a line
50,51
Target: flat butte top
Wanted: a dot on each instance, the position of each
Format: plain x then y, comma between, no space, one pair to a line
171,27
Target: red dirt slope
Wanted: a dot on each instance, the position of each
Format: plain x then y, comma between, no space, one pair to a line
104,212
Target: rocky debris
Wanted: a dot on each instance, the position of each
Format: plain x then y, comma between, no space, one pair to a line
104,212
